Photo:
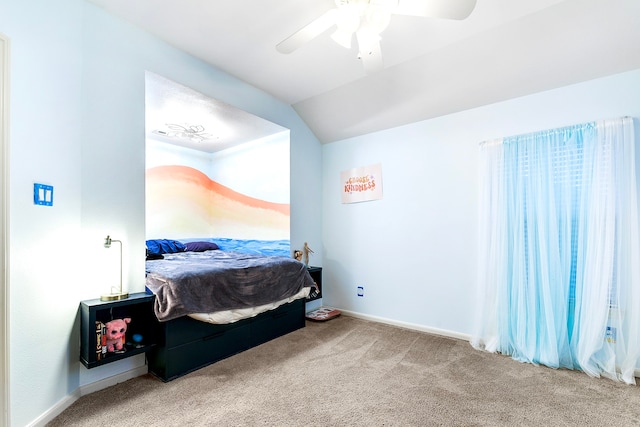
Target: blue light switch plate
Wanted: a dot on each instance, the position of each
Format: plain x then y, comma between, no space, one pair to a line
43,194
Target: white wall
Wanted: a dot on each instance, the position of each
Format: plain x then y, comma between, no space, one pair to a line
415,250
77,122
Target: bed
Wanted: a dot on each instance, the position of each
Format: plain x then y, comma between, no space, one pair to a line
213,304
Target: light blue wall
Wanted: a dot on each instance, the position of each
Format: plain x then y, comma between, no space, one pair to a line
77,122
46,127
414,251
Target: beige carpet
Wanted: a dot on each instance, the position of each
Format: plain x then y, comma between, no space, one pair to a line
351,372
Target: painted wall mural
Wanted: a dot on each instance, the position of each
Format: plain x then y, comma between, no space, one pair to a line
184,203
235,193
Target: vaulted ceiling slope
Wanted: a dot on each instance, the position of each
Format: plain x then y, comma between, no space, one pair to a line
432,67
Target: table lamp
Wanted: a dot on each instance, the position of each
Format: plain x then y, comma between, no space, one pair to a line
116,294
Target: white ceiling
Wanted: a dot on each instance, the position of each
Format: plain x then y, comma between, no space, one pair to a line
433,67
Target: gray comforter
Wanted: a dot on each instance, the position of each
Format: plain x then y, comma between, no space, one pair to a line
202,282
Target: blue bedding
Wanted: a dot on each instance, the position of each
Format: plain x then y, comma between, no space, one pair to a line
248,246
202,282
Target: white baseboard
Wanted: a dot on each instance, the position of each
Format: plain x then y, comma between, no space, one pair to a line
407,325
59,407
111,381
55,410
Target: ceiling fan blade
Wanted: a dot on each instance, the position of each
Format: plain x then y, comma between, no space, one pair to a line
308,32
369,53
447,9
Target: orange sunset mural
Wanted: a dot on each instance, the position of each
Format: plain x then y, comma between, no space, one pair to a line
184,203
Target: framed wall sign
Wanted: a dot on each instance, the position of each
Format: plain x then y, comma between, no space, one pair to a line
361,184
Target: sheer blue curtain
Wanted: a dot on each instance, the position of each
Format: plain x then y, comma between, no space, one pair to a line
559,248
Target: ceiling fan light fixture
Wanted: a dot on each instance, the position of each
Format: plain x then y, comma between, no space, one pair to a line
368,19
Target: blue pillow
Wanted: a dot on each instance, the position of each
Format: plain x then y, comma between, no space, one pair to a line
165,246
201,246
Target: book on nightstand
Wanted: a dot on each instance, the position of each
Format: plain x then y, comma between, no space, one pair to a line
101,340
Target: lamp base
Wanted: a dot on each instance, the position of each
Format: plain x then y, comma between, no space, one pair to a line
114,297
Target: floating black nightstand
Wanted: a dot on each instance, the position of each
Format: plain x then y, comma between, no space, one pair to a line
95,313
316,275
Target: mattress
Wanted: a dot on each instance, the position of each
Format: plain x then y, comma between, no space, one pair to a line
230,316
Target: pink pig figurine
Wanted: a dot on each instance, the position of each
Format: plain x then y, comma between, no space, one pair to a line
116,330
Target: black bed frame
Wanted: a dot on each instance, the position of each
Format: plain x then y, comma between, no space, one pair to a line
186,344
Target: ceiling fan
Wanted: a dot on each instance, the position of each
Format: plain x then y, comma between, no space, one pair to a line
367,19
